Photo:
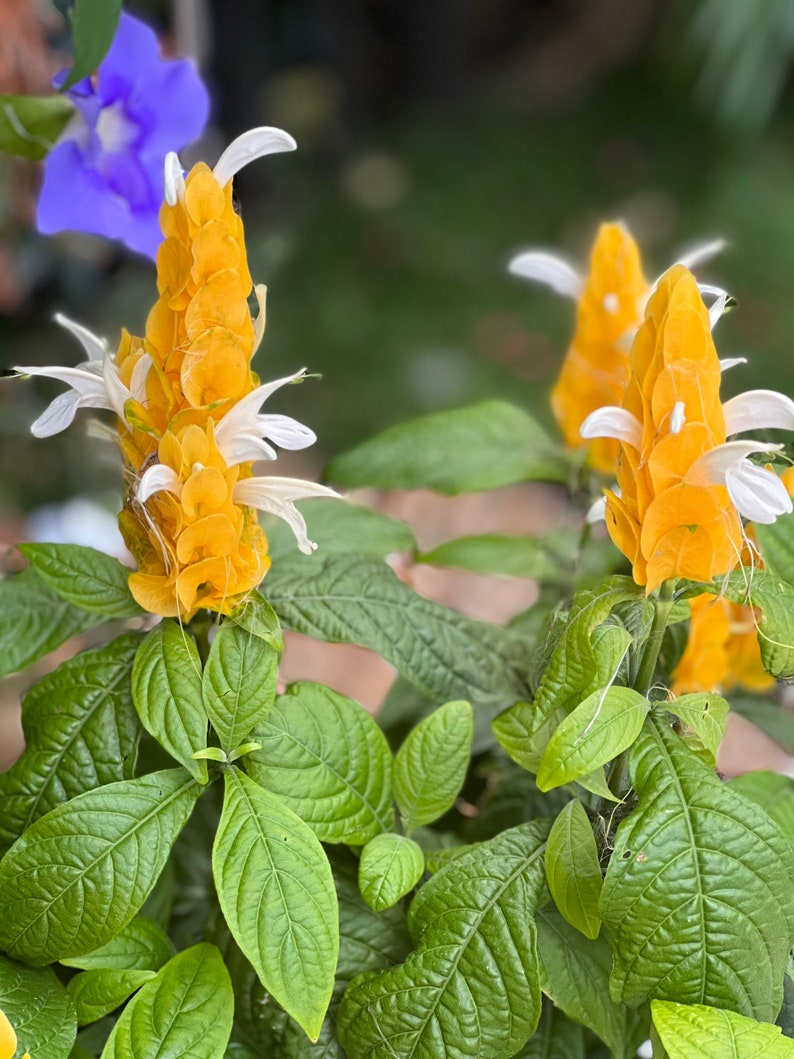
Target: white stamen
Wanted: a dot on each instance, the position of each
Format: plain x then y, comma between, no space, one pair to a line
553,271
677,417
246,148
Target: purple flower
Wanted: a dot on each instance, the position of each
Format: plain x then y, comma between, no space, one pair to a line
105,174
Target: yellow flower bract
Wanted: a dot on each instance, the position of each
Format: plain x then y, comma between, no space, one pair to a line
666,526
194,547
596,368
8,1039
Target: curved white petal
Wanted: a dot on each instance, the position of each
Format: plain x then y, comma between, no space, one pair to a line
260,290
174,179
553,271
731,362
613,422
86,380
138,380
277,496
597,511
243,422
286,432
717,309
712,466
758,410
246,148
95,347
157,477
117,392
701,252
57,416
757,493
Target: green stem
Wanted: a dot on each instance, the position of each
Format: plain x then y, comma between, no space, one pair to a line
662,606
200,627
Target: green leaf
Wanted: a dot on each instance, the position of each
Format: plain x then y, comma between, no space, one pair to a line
555,1038
341,526
94,24
573,871
545,559
185,1010
345,599
34,620
97,993
85,577
474,914
575,975
30,125
459,451
39,1009
776,543
705,713
390,866
239,683
276,891
257,616
600,728
368,940
431,765
81,731
79,874
697,896
328,761
166,687
140,946
775,599
694,1031
774,793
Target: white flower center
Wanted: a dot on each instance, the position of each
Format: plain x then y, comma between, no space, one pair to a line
114,130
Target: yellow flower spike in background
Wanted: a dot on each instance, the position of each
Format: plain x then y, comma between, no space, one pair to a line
683,488
722,650
610,303
8,1039
188,405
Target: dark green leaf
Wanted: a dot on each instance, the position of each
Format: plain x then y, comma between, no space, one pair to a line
345,599
460,451
546,559
390,866
694,1031
257,616
775,599
185,1010
476,913
239,684
140,946
575,975
30,125
772,792
431,765
697,870
166,687
94,25
85,577
573,871
79,874
276,891
326,758
341,526
81,730
97,993
39,1009
555,1038
34,620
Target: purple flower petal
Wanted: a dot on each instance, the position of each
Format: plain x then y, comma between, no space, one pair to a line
173,110
76,196
132,58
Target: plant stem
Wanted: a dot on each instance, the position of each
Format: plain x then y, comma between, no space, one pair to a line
662,606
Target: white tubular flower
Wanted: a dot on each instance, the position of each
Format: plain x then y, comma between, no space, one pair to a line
247,148
93,384
613,422
277,496
240,435
756,493
550,269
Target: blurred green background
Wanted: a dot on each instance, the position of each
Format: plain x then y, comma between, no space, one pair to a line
435,141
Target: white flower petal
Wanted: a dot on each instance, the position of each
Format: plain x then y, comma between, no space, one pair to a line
613,422
117,392
701,252
757,493
138,380
242,423
95,347
717,309
553,271
731,362
712,467
758,409
57,416
86,380
260,290
677,417
597,511
277,496
286,432
246,148
174,179
155,478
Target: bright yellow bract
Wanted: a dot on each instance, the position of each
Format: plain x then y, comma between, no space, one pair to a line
666,525
8,1039
722,651
596,368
